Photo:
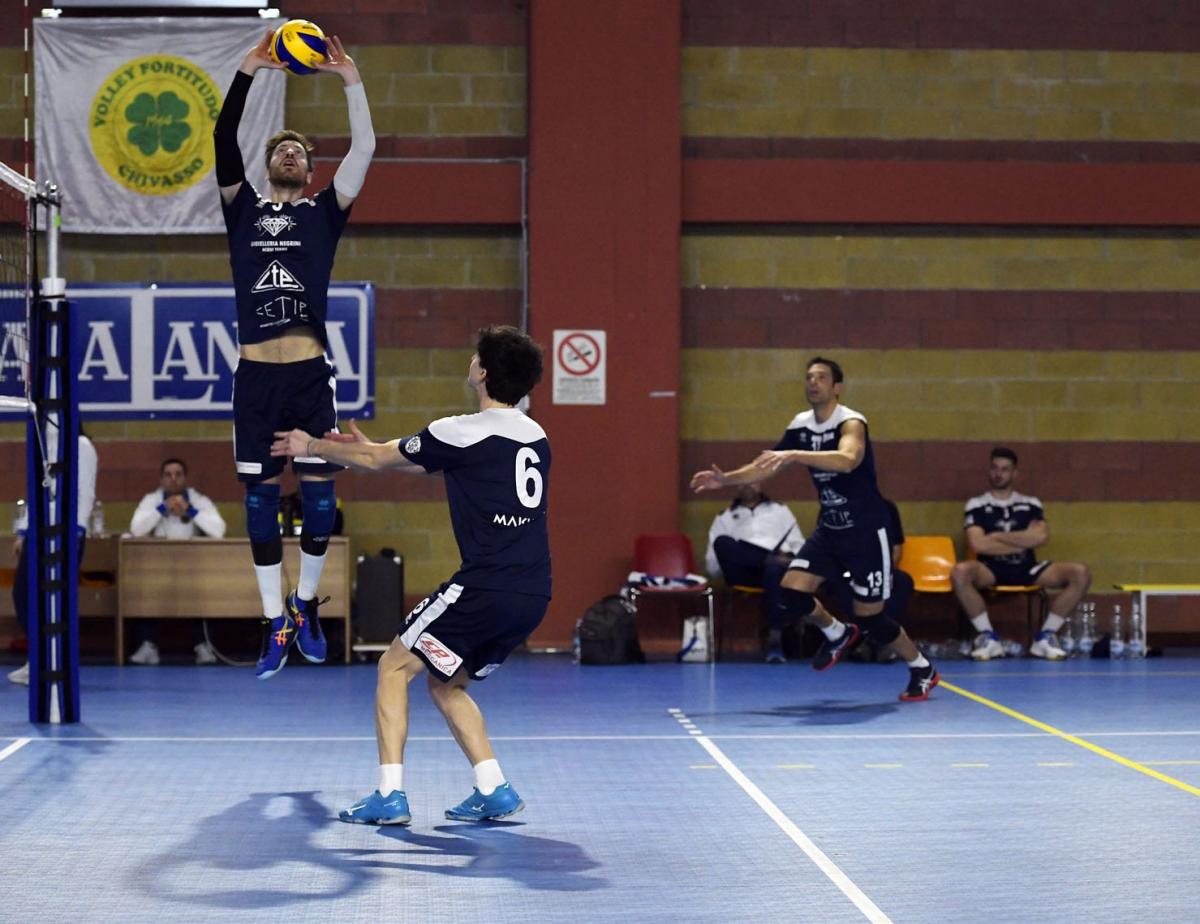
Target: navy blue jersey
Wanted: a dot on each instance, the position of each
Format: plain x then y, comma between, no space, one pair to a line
282,257
848,499
1012,514
497,466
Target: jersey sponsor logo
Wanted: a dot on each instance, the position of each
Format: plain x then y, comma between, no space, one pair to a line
274,224
282,310
501,519
276,277
439,655
831,498
413,446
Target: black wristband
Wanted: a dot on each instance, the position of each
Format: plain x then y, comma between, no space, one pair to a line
230,169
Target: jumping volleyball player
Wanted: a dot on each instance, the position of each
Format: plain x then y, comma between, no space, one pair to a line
496,464
281,248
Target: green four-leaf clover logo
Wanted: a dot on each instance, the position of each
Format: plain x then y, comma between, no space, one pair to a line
158,122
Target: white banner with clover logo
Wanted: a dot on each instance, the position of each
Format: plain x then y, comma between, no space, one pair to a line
125,110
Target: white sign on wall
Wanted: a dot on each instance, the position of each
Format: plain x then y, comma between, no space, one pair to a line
580,360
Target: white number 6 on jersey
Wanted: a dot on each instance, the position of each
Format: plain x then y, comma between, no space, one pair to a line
529,479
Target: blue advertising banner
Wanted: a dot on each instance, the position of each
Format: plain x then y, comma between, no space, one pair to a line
169,351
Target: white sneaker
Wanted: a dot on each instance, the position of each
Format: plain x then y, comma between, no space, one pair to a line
1046,646
147,655
20,675
204,653
987,646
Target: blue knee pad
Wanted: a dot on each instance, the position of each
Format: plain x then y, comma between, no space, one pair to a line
793,605
878,628
319,504
262,523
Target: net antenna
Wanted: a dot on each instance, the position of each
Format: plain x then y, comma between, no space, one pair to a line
37,378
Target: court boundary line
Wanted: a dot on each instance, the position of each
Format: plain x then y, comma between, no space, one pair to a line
1073,739
350,739
14,747
832,871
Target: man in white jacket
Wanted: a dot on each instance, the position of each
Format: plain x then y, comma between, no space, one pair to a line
174,511
751,543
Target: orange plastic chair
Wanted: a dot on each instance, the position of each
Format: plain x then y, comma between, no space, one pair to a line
929,561
669,555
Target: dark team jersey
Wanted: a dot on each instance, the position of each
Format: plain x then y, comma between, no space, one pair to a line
849,500
282,257
1012,514
496,465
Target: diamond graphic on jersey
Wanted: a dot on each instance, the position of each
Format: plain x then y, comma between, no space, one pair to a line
831,498
277,277
413,446
273,224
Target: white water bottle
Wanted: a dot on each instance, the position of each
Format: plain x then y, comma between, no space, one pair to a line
1066,638
1137,647
1087,637
19,517
1116,642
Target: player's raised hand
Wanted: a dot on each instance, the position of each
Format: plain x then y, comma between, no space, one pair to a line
290,443
338,62
708,480
771,461
260,55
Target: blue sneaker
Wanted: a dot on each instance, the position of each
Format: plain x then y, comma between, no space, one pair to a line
376,810
503,802
309,637
278,635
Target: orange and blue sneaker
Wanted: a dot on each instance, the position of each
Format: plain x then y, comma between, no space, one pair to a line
376,809
309,637
278,635
502,802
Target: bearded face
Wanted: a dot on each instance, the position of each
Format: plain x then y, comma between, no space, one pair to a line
288,167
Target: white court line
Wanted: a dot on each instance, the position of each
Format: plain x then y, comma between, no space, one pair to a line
798,837
921,736
14,747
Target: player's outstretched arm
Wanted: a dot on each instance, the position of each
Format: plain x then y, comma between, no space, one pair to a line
348,181
712,478
353,450
231,172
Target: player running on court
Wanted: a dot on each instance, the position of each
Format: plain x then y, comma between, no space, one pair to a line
851,533
281,248
496,465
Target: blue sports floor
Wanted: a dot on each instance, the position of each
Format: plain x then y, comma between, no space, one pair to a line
663,792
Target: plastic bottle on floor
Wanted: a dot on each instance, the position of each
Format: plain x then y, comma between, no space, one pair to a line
1137,647
1087,631
1116,641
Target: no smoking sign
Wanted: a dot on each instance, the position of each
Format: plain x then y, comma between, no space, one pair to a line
580,360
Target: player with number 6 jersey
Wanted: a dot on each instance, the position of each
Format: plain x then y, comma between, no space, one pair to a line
496,468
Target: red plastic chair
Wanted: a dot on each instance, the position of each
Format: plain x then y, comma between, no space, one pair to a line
670,555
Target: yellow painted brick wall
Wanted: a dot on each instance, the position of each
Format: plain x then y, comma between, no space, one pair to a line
919,260
421,90
1015,395
941,93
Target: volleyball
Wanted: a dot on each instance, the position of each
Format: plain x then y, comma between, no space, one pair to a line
298,45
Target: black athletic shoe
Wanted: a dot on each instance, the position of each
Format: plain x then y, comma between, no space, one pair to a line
920,681
831,652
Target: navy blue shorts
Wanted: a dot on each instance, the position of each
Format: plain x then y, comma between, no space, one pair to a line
861,553
1010,575
280,396
470,628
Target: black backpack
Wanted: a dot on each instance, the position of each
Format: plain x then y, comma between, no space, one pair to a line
608,633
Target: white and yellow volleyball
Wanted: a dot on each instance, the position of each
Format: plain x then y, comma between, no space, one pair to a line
299,45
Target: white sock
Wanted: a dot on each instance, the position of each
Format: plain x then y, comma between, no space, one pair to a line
488,776
310,575
391,778
834,630
269,577
919,661
982,623
1054,622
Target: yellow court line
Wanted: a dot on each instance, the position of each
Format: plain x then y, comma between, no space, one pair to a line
1051,730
